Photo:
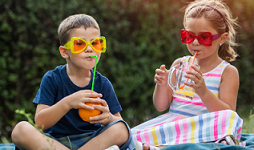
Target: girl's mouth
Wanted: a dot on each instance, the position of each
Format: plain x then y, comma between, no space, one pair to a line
195,51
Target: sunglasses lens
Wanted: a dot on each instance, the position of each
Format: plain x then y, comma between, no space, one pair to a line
79,45
99,44
186,37
205,38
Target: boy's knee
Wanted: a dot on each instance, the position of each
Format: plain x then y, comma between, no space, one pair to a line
121,131
19,131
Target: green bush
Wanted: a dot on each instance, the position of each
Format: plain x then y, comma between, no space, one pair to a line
141,35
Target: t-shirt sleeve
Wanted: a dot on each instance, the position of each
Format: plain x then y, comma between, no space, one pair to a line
110,96
47,92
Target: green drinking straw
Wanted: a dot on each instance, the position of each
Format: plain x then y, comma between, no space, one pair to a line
94,70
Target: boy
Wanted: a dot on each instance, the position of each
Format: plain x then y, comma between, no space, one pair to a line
67,88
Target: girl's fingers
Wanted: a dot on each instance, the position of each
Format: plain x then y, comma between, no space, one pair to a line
197,73
163,68
159,72
159,80
195,76
160,75
196,68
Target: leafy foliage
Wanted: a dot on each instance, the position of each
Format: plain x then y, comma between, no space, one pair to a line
141,35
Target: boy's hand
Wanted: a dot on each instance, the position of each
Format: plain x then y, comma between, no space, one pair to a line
78,99
161,74
105,116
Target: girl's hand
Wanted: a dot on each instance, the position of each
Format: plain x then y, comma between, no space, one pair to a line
160,77
78,99
195,75
105,116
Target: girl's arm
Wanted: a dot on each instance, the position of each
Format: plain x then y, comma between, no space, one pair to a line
228,91
162,96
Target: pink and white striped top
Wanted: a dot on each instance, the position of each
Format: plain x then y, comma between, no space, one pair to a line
196,106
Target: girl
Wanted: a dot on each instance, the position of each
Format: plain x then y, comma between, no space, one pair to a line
210,116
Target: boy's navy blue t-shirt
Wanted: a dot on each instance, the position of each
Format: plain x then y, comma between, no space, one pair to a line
56,85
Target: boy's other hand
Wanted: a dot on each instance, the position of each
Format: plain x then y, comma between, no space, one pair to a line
105,117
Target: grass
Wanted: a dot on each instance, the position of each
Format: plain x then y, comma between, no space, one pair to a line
248,125
246,113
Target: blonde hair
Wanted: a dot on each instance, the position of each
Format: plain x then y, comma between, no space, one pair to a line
72,22
220,17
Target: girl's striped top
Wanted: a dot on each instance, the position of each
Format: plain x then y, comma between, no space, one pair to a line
195,106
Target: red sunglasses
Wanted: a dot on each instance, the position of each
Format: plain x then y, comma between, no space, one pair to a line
204,38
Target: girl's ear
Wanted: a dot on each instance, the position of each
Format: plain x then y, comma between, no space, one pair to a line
63,52
224,37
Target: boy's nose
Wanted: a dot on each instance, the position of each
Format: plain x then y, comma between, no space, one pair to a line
89,49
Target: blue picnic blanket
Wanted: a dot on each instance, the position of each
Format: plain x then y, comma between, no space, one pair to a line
9,146
248,138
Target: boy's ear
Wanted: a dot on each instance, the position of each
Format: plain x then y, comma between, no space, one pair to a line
63,52
224,37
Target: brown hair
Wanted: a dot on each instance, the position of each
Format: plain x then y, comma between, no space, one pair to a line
72,22
220,17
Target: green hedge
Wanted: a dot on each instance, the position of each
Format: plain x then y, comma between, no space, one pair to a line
141,35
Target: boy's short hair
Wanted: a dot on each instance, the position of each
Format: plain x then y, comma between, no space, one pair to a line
72,22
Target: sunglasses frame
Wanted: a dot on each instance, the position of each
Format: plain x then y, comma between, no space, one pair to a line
70,44
211,37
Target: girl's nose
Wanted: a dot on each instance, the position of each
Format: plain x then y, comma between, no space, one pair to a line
196,42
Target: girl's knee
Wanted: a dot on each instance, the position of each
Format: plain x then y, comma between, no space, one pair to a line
229,111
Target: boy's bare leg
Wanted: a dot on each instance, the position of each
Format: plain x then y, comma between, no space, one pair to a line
26,136
117,134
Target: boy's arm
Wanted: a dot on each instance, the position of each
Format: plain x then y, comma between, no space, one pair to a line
47,116
115,117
